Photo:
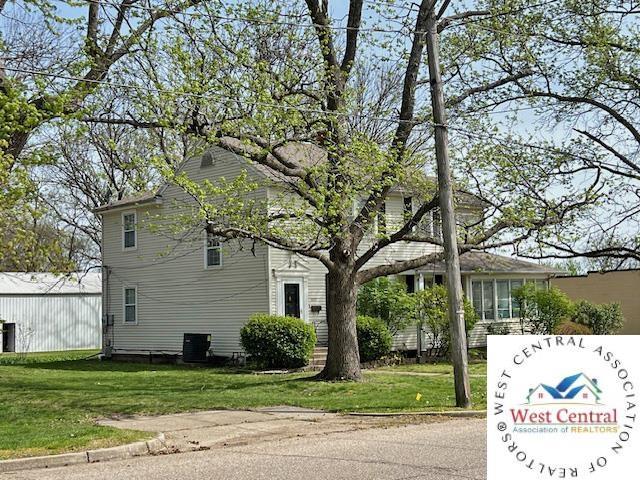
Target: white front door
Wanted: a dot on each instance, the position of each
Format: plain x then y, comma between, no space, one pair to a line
292,297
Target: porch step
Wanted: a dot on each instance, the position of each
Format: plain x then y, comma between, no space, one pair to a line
318,359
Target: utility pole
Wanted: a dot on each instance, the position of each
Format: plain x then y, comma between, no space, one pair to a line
445,189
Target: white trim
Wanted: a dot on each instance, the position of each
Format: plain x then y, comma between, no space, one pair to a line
494,280
124,304
135,230
292,277
206,249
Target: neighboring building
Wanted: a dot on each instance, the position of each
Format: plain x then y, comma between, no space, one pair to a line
619,286
160,285
42,312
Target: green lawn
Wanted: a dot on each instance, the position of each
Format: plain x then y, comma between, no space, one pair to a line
475,368
48,402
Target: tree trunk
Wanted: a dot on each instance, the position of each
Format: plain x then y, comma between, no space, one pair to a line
343,357
449,236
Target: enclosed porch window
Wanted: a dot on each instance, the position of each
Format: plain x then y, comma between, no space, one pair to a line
494,298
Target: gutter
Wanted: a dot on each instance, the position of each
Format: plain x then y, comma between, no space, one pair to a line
156,199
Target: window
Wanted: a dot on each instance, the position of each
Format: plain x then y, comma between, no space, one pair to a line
382,219
407,208
411,283
436,224
129,230
476,298
495,299
515,304
213,251
487,300
504,299
130,305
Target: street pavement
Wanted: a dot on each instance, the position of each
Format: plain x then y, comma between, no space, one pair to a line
454,449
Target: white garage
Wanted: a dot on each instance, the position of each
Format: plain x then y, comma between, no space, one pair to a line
42,312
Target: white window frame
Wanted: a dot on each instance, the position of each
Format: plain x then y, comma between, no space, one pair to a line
135,231
206,250
412,212
494,280
125,304
301,280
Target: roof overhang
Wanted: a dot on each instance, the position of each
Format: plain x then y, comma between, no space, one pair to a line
114,207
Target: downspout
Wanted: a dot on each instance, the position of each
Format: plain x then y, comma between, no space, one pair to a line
107,325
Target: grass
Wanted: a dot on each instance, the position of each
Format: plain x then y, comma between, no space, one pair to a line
49,402
475,368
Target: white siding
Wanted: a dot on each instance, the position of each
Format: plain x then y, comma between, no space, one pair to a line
315,272
176,293
57,322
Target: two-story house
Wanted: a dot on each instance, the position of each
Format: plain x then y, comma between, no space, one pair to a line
159,285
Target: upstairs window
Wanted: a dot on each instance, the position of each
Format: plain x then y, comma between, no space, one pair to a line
129,230
407,210
213,251
130,305
436,224
382,219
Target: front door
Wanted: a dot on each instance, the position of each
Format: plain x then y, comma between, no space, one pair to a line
292,299
8,337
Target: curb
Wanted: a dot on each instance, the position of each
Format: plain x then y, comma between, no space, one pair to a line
452,413
137,449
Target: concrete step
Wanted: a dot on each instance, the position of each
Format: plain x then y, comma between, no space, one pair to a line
318,359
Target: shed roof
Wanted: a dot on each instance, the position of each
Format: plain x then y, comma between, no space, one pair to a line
45,283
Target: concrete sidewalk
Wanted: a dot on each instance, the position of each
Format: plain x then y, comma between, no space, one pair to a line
220,428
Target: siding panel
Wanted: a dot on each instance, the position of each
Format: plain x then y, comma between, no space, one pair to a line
57,322
176,294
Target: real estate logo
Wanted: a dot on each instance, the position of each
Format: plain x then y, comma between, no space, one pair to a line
561,406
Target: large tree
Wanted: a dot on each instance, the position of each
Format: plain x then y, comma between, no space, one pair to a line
283,86
52,59
582,97
336,104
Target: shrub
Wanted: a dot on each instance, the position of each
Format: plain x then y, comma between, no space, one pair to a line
572,328
605,319
387,300
542,310
431,310
374,338
278,342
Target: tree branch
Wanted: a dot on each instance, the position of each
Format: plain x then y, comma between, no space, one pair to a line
369,274
610,149
488,87
353,30
399,235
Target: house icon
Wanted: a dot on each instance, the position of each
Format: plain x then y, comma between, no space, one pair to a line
578,388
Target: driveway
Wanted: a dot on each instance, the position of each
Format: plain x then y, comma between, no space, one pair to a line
435,451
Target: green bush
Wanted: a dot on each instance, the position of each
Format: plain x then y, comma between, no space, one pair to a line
605,319
387,300
542,310
431,310
278,342
572,328
374,338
